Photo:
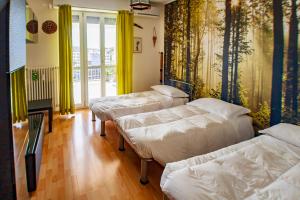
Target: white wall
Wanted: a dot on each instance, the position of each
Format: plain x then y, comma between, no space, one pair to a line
45,52
145,65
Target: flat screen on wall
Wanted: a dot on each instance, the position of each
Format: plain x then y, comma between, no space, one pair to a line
17,34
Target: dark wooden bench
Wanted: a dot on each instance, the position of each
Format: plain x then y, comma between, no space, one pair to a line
34,149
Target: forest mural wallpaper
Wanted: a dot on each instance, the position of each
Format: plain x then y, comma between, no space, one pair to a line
242,51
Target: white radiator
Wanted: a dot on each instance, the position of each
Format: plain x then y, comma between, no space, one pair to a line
43,83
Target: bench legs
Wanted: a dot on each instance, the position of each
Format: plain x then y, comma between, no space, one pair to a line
121,143
93,117
144,171
102,128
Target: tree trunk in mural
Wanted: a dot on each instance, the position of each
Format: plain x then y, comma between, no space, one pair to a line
224,93
197,57
253,66
183,40
168,43
261,70
188,49
291,92
236,57
231,53
277,63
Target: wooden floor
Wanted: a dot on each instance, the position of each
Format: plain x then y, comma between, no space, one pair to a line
78,163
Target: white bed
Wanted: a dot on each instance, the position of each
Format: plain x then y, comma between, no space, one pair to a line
110,108
181,132
265,167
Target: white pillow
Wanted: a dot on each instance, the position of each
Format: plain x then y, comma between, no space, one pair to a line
286,132
219,107
169,91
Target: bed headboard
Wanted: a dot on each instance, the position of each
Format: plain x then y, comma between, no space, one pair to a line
184,86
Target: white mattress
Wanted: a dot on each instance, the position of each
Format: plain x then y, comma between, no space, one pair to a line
261,168
181,132
108,108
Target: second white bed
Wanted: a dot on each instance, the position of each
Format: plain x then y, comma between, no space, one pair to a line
181,132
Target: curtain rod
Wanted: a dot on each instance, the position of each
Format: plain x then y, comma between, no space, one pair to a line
89,9
93,10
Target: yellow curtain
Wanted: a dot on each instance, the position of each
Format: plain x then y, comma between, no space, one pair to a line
18,96
124,51
66,100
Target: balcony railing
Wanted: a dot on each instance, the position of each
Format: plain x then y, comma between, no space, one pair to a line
94,73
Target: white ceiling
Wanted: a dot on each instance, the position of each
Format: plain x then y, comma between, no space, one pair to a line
101,4
162,1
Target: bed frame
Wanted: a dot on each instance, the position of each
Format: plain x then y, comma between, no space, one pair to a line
184,86
144,161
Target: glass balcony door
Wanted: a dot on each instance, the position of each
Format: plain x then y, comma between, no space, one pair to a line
110,44
97,70
78,70
94,57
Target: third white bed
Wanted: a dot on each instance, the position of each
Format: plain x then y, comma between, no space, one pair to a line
264,167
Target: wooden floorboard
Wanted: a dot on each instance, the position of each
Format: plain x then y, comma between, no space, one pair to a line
78,163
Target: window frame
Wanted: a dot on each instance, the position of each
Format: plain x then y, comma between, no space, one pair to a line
84,53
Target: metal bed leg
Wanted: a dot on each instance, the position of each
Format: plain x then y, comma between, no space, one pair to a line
121,143
102,128
144,172
93,117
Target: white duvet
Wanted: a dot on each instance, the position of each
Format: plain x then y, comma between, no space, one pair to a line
181,132
108,108
261,168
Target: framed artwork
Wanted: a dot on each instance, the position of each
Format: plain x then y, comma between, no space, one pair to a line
137,45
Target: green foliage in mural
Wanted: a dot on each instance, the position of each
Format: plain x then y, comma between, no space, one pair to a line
216,93
198,89
261,118
242,94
